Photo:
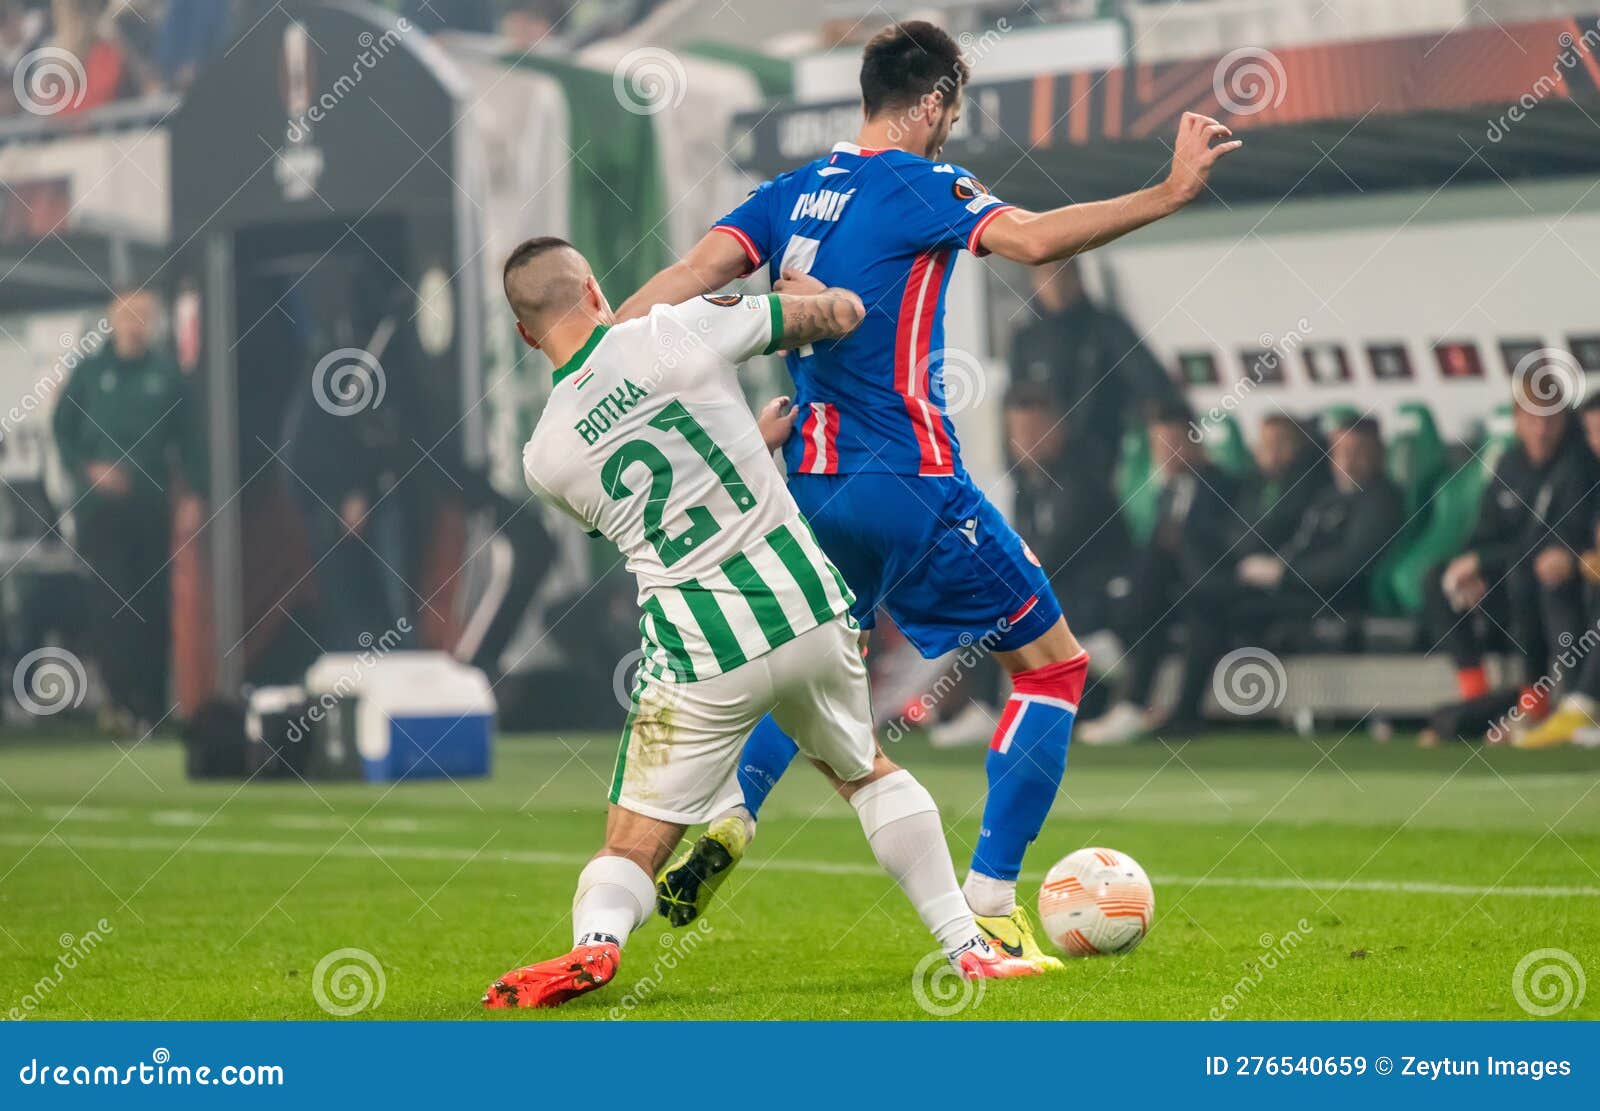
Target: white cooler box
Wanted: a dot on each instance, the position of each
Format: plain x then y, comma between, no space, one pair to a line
405,715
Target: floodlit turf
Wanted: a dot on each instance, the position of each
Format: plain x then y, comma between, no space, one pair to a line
1294,879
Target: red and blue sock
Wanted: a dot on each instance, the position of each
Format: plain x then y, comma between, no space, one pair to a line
1027,760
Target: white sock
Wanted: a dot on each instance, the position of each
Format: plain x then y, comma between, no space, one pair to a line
613,899
902,825
744,816
989,897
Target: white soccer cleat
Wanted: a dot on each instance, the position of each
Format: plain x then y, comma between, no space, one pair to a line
1123,724
973,726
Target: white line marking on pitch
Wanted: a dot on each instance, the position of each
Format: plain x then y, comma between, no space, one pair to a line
813,867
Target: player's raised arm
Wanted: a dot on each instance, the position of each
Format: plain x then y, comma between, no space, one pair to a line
710,264
1039,237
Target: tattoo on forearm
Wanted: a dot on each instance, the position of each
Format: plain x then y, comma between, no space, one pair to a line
826,315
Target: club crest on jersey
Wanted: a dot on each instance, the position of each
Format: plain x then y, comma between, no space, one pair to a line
723,300
598,421
824,204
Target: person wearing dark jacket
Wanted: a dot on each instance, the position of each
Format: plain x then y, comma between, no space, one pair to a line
1071,518
1579,709
1520,572
1174,581
1291,474
1326,564
1075,530
1091,358
118,426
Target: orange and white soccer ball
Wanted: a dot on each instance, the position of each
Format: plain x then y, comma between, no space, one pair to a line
1096,901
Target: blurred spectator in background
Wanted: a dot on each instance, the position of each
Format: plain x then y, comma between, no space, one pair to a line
1290,475
1579,709
347,443
525,25
22,29
190,32
117,424
452,15
1070,520
1519,578
1175,582
107,74
1073,526
1329,559
1090,358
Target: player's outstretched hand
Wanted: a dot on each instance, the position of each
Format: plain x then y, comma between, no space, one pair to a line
793,281
776,421
1195,152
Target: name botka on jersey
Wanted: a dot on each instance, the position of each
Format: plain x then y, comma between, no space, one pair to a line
597,422
825,204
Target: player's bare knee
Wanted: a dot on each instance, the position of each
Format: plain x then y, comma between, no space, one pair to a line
1055,645
881,766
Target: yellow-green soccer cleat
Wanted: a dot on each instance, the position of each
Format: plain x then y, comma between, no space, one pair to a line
1013,935
1560,727
684,887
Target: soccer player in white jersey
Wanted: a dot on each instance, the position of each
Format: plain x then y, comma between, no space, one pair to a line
647,440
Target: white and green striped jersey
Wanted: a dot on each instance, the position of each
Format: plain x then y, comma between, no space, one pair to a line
647,441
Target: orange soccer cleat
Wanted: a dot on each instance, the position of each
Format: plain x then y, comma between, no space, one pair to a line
553,982
977,961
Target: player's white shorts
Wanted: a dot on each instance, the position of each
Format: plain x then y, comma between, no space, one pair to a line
680,748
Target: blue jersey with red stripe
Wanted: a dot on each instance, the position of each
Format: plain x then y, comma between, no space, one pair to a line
885,224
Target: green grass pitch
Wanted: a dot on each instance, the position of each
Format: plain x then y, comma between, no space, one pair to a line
1334,878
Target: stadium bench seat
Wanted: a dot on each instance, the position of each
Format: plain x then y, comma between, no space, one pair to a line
1138,486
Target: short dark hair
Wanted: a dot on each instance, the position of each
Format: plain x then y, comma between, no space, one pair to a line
1169,409
905,62
1031,395
1364,426
530,249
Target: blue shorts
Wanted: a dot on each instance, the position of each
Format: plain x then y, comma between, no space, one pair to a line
934,553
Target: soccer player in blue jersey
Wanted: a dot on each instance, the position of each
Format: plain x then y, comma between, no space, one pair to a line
872,457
